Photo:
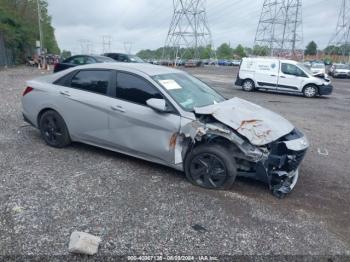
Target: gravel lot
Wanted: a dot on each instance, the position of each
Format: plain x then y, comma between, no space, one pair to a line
141,208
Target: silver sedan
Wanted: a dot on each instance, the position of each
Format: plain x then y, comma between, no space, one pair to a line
166,116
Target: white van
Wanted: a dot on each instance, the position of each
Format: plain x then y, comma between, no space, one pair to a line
281,75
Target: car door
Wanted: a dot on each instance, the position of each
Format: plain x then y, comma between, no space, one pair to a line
82,104
291,78
135,127
266,74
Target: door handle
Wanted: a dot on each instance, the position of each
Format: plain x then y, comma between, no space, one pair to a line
118,108
272,75
283,77
65,93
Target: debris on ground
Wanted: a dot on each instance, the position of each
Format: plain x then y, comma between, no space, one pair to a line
322,152
84,243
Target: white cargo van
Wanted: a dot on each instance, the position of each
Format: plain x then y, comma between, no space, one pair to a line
281,75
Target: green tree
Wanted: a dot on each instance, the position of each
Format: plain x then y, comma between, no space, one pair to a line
65,54
311,48
260,50
224,51
239,51
19,24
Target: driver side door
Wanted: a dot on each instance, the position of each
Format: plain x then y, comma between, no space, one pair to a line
137,129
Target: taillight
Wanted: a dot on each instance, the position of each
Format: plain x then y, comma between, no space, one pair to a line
28,90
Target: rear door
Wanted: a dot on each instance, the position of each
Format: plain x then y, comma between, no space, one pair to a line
136,128
82,103
292,78
266,73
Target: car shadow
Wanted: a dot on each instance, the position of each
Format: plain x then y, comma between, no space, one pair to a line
246,186
289,94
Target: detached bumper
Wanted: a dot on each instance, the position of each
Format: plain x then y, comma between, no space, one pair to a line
325,89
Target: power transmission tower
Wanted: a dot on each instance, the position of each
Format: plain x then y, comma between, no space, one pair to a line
188,32
85,46
280,28
106,44
341,38
128,46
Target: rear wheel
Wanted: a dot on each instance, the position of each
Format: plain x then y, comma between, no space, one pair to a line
248,85
54,130
211,166
310,91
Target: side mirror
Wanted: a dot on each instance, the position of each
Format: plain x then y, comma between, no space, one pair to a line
157,104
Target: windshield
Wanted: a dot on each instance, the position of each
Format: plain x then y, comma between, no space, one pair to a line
342,67
135,59
188,91
318,66
305,68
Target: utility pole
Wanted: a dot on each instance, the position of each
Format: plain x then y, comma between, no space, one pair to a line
40,26
341,39
106,44
280,28
41,49
128,47
188,32
85,46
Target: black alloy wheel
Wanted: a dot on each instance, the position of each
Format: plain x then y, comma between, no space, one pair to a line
53,129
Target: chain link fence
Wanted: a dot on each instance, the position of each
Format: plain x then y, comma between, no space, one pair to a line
6,55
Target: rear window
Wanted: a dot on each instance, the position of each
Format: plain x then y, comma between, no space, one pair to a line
92,81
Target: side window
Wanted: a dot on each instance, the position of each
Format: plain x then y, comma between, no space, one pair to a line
290,69
123,58
79,60
135,89
92,81
89,60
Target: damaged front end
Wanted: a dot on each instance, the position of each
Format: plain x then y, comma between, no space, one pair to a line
265,146
281,168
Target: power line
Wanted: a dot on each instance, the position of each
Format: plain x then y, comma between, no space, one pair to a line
280,27
341,38
188,30
128,46
106,44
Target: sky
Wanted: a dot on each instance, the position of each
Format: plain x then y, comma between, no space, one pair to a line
145,23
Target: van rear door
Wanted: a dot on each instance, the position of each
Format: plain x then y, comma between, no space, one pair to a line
266,73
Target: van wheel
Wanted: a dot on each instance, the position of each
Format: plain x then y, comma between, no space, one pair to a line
310,91
211,166
248,85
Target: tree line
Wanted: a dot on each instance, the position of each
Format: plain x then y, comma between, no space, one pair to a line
20,28
225,51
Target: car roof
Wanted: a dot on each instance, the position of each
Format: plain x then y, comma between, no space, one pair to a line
145,68
273,58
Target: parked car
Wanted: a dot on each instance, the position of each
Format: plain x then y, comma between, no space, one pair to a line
281,75
193,63
318,69
340,70
166,116
236,62
126,58
224,63
80,60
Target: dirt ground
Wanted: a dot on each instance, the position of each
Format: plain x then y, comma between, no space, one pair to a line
141,208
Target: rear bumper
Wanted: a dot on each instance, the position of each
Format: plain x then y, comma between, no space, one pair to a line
26,119
325,89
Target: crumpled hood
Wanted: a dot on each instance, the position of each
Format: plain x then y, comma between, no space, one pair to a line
259,125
